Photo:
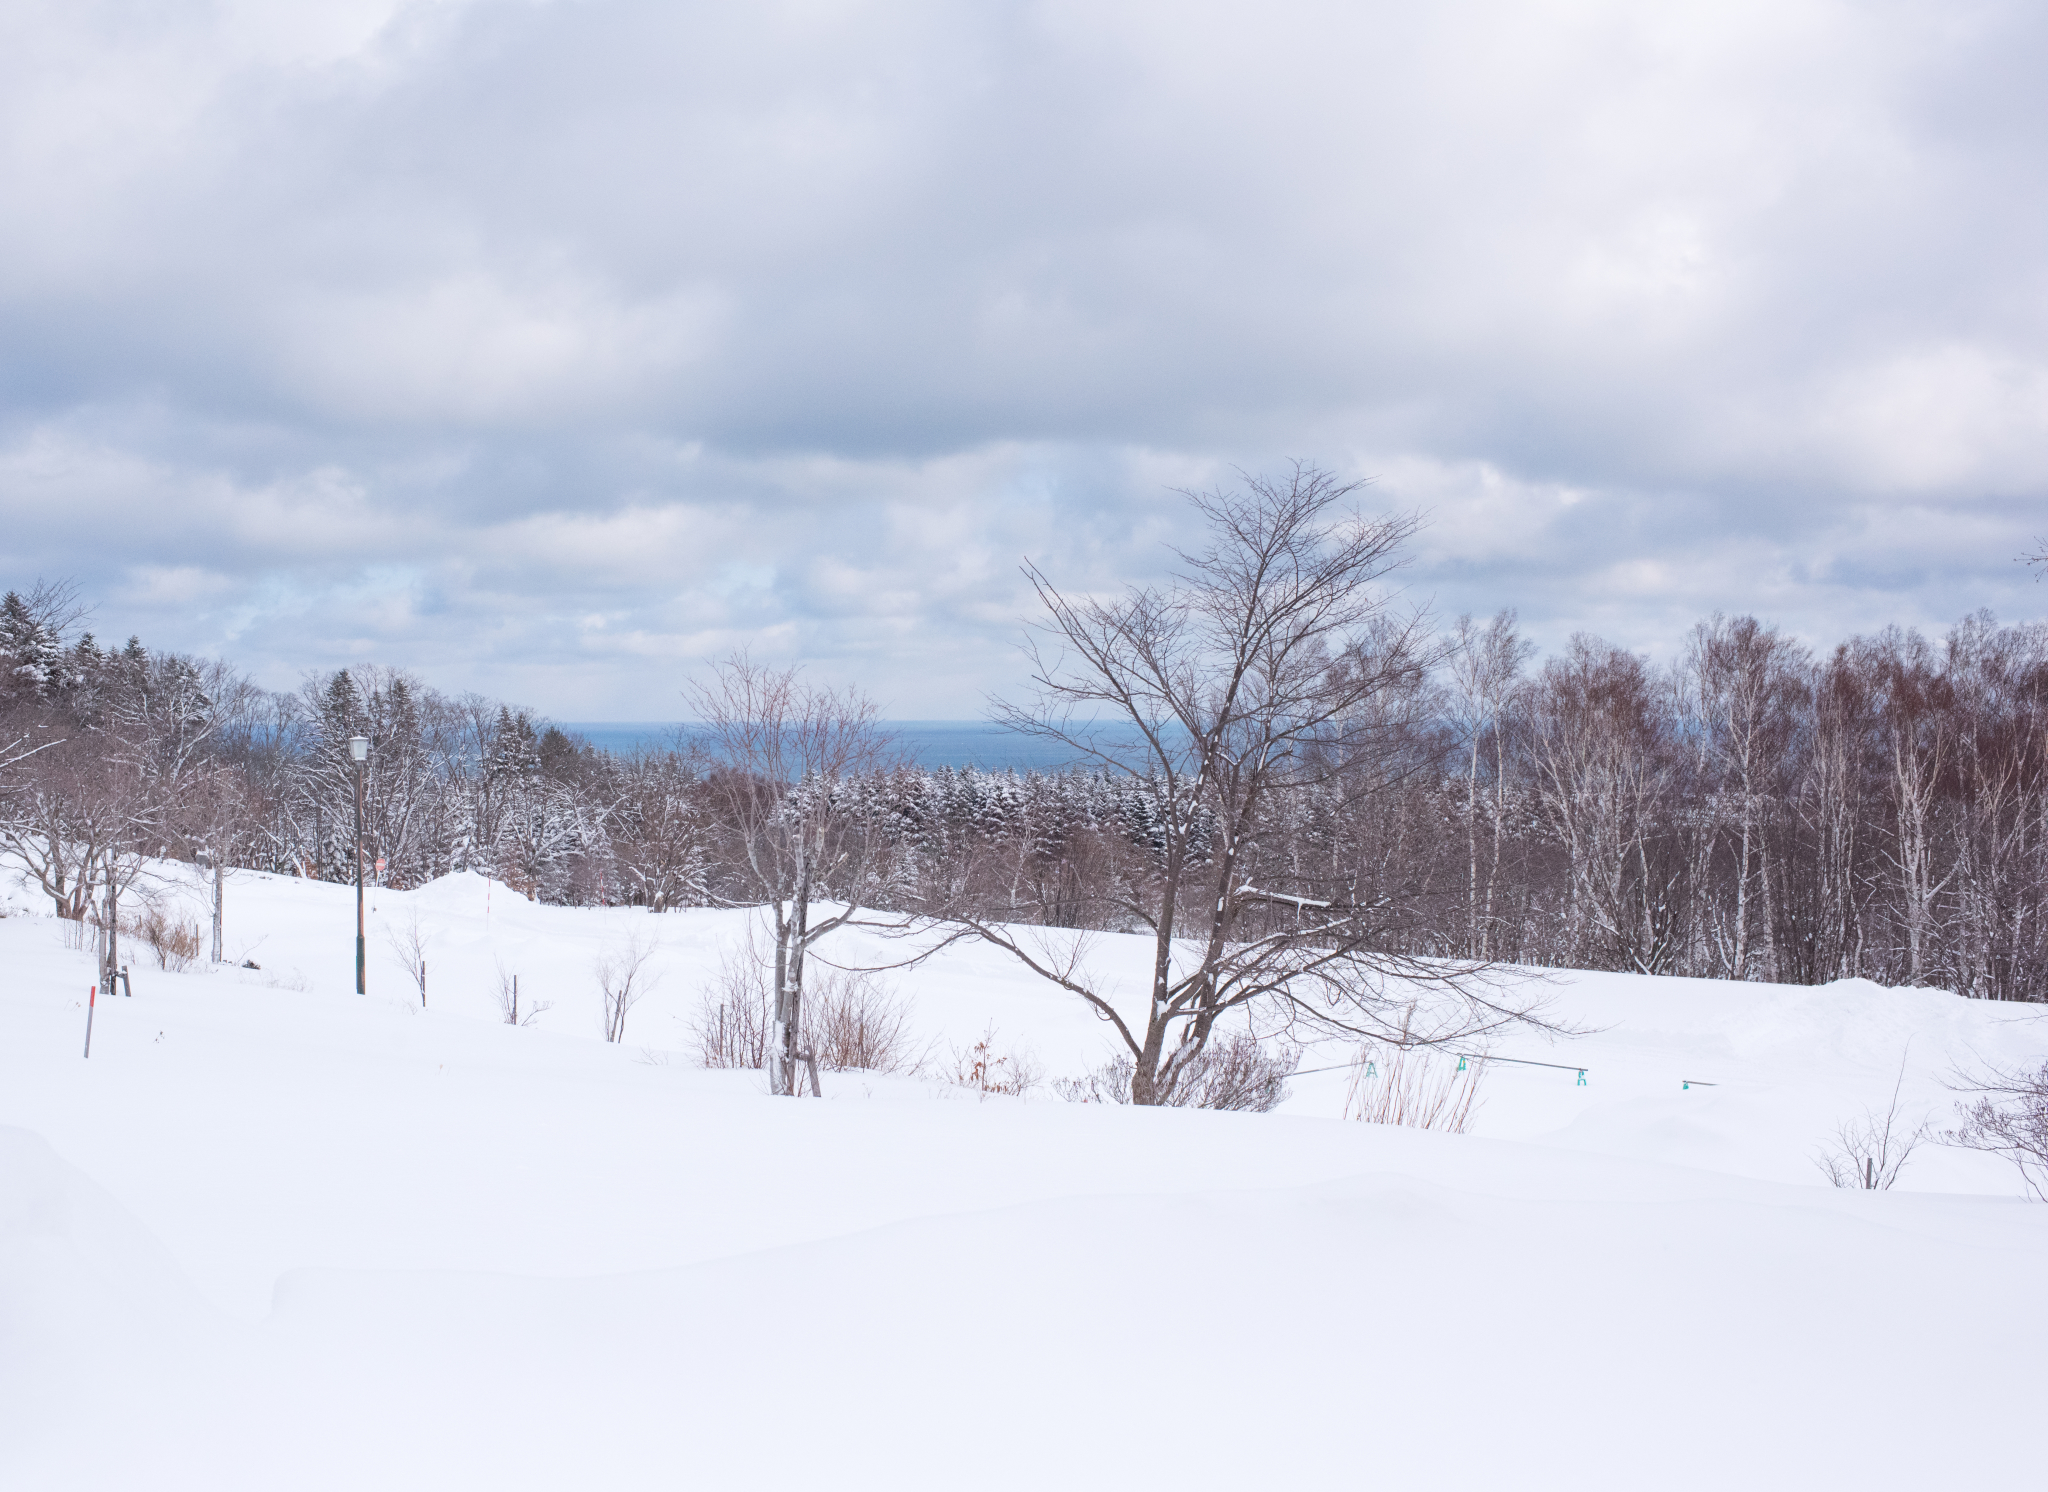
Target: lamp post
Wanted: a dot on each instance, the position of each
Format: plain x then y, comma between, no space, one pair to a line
359,749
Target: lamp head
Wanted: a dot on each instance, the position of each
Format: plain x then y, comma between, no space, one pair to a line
359,748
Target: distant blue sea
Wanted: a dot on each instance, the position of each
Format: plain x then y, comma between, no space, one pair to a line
929,743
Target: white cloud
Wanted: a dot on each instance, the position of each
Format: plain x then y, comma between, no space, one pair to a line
438,330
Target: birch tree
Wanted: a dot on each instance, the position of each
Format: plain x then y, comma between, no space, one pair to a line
1485,665
1598,744
1917,731
1747,690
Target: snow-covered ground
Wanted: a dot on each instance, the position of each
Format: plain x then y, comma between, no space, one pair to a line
274,1235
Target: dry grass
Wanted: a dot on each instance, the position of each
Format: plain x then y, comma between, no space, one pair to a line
1417,1086
987,1069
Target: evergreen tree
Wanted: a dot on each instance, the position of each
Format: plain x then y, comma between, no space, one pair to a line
31,652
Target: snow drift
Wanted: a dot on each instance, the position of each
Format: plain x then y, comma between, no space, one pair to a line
273,1234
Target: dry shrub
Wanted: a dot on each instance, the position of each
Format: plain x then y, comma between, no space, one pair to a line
735,1015
849,1020
1109,1083
622,981
410,944
175,941
986,1069
2011,1120
854,1022
1418,1086
516,1009
1869,1153
1234,1073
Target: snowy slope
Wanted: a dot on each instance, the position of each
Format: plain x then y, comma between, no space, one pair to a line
276,1235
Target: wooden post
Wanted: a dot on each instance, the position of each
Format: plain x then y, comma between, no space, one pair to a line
110,934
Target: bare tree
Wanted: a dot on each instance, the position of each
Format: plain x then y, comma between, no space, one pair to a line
1869,1153
1486,673
1917,721
210,818
2010,1119
509,1005
1746,689
621,982
1273,665
1598,741
72,820
410,944
17,744
1831,809
1993,936
799,837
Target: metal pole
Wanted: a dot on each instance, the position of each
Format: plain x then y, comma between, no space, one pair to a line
359,878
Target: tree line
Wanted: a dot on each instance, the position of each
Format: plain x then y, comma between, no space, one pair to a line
1752,810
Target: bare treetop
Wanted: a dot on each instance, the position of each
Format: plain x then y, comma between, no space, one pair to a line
1270,639
771,722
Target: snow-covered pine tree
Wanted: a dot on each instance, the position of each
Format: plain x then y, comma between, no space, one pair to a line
31,649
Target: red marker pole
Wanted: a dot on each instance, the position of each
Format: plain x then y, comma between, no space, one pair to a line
91,996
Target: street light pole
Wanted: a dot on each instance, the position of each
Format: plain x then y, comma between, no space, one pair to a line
359,749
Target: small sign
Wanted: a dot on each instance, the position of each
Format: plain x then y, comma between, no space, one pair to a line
380,865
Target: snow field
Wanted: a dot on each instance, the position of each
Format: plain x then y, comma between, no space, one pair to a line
276,1235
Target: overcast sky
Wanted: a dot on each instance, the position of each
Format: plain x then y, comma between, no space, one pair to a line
547,349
